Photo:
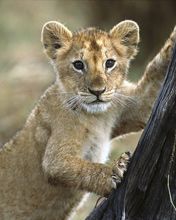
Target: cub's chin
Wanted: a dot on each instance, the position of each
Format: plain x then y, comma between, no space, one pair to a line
96,107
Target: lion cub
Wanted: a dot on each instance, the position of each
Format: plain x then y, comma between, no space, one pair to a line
59,154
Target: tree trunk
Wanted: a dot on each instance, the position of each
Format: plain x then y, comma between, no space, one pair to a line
148,191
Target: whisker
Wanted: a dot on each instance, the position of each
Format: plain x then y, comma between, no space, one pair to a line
73,103
121,94
62,93
69,102
120,102
125,97
123,100
66,93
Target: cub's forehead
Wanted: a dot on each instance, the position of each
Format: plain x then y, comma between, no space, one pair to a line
91,39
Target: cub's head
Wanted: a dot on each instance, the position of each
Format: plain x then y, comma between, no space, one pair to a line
91,64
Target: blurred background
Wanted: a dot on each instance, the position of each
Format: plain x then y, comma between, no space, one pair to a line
25,72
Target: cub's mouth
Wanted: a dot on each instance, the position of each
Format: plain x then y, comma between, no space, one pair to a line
97,101
96,106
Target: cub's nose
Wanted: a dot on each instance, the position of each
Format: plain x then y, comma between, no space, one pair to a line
97,92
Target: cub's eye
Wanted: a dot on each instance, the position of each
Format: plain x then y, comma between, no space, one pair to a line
78,65
110,63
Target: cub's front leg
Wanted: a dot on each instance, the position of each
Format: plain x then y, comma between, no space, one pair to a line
61,166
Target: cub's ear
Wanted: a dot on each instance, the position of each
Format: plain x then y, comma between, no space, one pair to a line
126,33
55,37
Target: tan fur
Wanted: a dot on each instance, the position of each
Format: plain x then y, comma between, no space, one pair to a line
59,154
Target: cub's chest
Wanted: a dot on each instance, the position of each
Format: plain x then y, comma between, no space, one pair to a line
96,148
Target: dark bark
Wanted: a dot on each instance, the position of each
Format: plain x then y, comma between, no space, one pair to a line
144,192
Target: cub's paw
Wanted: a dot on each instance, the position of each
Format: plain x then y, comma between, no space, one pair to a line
112,176
120,167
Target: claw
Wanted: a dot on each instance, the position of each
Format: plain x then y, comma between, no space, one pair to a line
121,166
